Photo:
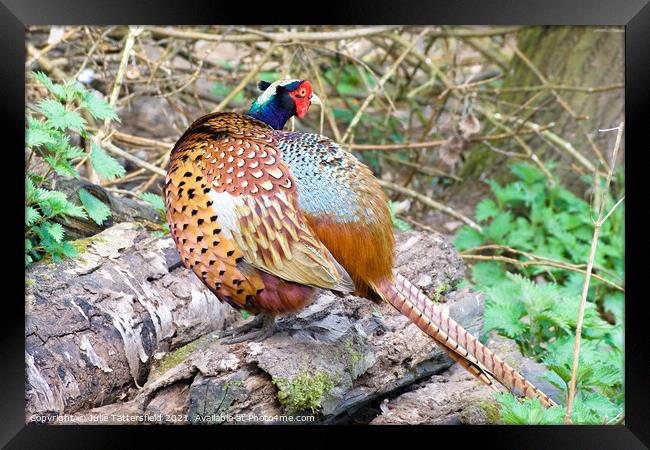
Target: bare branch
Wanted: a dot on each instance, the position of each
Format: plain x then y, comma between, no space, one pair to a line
430,202
274,37
590,264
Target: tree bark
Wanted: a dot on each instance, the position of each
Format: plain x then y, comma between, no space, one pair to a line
94,323
124,334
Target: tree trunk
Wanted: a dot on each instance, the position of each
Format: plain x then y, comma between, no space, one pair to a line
583,57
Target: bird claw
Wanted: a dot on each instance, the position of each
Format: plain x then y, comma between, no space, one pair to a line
266,325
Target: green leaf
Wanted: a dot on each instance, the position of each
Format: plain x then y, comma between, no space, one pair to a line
55,230
98,107
528,411
528,173
35,137
59,117
61,166
500,225
397,222
31,216
615,304
71,152
401,224
593,409
30,191
521,237
55,89
488,273
154,200
75,211
97,210
505,317
74,90
54,203
510,193
485,209
68,250
105,165
467,238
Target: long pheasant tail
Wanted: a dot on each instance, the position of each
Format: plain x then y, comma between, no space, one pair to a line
454,339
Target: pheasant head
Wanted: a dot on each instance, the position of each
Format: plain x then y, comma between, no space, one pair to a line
281,100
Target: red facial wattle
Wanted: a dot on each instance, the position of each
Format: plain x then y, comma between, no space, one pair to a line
301,97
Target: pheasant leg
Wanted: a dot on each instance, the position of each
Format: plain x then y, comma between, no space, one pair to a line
265,324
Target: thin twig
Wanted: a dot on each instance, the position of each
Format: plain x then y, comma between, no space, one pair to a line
557,87
141,141
429,202
244,81
540,263
416,224
545,82
274,37
440,142
119,77
326,109
134,159
536,257
46,64
590,264
37,54
431,171
380,85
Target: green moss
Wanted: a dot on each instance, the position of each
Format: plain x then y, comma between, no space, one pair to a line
234,383
81,245
491,410
175,357
355,355
304,392
440,290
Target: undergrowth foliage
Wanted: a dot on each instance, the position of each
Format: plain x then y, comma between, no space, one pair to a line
158,203
50,153
537,305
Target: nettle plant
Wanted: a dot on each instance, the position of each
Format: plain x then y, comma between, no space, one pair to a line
50,126
536,305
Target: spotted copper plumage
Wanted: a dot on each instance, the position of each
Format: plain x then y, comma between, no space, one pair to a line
233,213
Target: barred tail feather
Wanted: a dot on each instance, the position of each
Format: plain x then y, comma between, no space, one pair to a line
454,339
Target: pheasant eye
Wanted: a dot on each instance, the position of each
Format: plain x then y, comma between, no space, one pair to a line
303,92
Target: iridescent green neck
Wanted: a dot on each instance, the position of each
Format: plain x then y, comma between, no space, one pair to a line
270,113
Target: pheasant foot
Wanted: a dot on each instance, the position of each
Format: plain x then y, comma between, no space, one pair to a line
265,324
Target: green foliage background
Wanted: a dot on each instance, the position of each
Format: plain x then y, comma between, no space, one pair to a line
537,305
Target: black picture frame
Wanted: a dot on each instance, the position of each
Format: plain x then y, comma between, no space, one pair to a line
15,15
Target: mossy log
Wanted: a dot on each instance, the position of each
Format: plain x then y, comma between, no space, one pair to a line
124,334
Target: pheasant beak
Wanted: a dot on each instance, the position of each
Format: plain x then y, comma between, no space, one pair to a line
315,100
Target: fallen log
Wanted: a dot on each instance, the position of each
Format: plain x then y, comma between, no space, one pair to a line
455,397
94,323
123,209
124,334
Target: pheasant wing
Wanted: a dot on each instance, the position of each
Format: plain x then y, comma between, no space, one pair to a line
255,200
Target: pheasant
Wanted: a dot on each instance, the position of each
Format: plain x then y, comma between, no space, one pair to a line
265,217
